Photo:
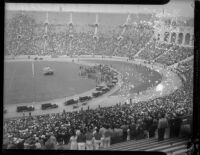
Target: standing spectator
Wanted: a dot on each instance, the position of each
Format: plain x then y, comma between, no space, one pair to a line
177,126
128,134
38,145
89,138
152,128
111,130
73,142
132,131
162,125
102,132
49,145
172,126
124,128
81,139
97,139
107,138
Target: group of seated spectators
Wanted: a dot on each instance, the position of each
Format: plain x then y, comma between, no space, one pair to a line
29,37
175,54
167,54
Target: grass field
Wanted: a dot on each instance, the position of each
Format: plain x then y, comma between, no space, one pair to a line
20,86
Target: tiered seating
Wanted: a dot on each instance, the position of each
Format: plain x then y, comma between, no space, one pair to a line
174,55
169,146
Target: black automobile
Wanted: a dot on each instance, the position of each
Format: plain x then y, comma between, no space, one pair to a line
48,106
25,108
35,58
98,88
71,101
40,58
110,85
105,89
85,98
114,81
96,94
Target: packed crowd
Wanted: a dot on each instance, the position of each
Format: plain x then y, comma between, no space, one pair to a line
165,53
50,41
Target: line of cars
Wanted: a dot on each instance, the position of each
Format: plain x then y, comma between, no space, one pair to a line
37,58
44,106
100,90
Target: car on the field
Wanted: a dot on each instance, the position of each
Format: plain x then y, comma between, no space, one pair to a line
110,85
35,58
98,88
85,98
48,71
105,89
115,77
25,108
114,81
41,58
71,101
97,94
48,106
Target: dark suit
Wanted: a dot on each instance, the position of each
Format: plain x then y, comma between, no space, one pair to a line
162,125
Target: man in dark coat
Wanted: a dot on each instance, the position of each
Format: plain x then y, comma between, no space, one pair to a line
162,125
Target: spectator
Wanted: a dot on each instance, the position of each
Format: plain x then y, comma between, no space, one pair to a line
38,145
81,139
97,139
107,137
89,140
162,125
73,142
128,134
153,128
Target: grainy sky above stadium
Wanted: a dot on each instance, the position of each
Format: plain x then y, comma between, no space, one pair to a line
108,14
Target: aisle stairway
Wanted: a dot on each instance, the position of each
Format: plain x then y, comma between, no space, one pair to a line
175,146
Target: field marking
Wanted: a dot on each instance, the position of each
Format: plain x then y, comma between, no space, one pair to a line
33,69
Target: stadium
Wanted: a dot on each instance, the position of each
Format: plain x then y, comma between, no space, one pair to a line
69,75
